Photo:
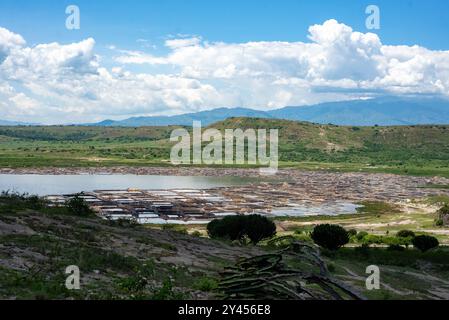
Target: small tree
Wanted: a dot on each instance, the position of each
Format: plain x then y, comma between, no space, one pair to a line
231,227
405,234
259,228
362,234
425,243
255,227
405,237
330,236
78,206
443,216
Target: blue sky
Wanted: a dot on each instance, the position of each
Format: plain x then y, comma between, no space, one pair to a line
175,56
422,22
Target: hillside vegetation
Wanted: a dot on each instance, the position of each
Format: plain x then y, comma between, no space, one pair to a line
400,149
122,260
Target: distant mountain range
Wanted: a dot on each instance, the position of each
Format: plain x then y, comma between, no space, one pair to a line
14,123
206,118
383,111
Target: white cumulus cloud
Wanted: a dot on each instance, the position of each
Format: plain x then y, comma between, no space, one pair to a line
53,82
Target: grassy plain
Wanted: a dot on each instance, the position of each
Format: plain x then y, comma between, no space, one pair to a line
412,150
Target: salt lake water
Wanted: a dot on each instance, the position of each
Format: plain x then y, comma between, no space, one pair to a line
43,185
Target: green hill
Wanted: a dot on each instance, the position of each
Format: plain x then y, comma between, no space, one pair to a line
402,149
303,141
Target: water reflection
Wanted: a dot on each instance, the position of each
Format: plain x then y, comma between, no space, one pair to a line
63,184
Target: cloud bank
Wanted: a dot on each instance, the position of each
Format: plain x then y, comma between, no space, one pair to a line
68,83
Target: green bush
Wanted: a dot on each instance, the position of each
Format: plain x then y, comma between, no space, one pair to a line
372,239
14,200
405,234
330,236
36,203
259,228
444,209
443,215
78,206
352,232
369,239
206,284
255,227
397,241
303,237
361,235
231,227
425,243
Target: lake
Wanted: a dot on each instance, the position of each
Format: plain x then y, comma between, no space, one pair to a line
43,185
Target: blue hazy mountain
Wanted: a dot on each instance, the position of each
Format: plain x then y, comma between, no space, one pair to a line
14,123
382,111
206,118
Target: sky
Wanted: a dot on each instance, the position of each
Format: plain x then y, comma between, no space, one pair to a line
165,57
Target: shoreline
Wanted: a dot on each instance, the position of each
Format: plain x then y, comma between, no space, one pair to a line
282,174
295,183
156,171
199,171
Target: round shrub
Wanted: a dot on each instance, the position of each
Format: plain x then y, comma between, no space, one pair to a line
258,227
439,222
255,227
361,235
425,243
231,227
405,234
330,236
352,232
